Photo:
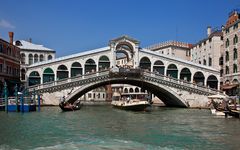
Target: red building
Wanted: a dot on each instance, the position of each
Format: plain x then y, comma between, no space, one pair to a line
9,64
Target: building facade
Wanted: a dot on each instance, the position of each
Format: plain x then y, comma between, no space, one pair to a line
208,51
172,48
231,54
32,53
9,65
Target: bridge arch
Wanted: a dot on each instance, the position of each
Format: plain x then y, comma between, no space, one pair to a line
103,63
168,96
62,72
185,74
212,81
34,78
90,66
145,63
48,75
159,67
76,69
199,78
172,71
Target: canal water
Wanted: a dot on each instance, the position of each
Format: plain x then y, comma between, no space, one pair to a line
103,127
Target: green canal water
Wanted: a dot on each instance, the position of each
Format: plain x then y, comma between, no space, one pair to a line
105,128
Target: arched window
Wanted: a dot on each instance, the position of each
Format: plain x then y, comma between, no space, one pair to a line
227,43
90,66
131,90
30,59
235,54
23,58
48,75
172,71
125,90
76,69
34,78
159,67
235,39
235,68
35,58
49,57
103,63
62,72
199,78
145,63
185,74
41,58
212,81
227,56
227,70
136,90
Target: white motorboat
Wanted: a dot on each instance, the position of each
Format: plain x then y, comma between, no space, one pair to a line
134,101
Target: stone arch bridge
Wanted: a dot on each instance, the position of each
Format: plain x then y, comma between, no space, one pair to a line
177,82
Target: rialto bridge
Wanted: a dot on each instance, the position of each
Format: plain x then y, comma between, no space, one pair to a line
176,82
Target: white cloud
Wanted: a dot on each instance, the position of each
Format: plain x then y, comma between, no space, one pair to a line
6,24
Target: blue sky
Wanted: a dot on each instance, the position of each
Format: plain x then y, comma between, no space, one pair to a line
72,26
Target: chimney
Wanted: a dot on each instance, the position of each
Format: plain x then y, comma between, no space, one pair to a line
30,40
209,30
11,37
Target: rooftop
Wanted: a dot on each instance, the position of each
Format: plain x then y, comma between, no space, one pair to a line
168,44
30,46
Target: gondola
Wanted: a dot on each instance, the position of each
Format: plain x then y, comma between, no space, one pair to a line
65,106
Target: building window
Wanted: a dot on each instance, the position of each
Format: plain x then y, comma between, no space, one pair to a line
227,43
235,54
199,62
235,39
221,72
204,62
227,56
210,40
227,30
227,70
1,67
234,68
23,57
1,48
235,26
221,60
49,57
89,95
30,58
209,61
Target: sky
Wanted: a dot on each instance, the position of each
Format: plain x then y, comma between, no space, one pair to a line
73,26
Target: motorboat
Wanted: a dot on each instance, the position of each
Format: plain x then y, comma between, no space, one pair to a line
134,101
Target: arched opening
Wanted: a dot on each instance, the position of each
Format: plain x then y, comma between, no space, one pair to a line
136,90
76,69
124,55
145,63
48,75
212,82
90,66
30,59
199,78
23,58
35,58
62,72
131,90
23,74
41,58
235,81
159,67
125,90
49,57
103,63
185,74
34,78
172,71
